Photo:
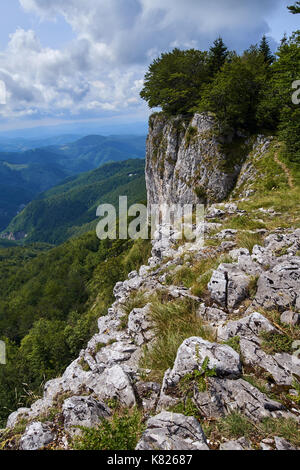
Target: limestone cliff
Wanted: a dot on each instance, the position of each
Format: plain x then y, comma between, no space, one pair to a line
187,161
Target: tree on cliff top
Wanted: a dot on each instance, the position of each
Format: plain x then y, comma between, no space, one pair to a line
174,81
234,93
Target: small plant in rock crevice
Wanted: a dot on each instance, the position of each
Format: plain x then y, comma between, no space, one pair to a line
276,342
197,378
234,343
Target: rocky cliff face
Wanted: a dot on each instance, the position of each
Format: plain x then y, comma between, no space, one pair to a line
234,357
187,162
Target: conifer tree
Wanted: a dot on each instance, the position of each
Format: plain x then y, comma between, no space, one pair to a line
217,56
265,49
284,40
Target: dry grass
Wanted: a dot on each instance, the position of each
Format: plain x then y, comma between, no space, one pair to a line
173,322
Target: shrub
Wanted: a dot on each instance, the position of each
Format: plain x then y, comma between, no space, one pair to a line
274,342
121,432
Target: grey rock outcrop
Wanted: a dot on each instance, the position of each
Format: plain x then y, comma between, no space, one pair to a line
172,431
280,287
283,444
225,396
195,350
250,327
139,325
290,318
115,384
239,444
83,411
148,394
213,315
228,286
37,436
249,171
281,366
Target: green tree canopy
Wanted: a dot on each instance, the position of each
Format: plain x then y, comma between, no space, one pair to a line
175,80
234,93
276,108
295,8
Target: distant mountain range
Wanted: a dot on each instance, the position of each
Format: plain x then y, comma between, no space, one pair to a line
69,209
24,175
21,144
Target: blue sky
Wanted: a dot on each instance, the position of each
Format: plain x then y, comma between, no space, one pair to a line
81,61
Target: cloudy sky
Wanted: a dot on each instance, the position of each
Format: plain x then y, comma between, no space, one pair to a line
84,60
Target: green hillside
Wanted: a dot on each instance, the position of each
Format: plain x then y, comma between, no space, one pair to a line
70,209
24,175
21,182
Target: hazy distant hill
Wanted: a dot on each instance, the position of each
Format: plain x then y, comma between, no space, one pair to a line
70,209
94,150
20,144
21,182
24,175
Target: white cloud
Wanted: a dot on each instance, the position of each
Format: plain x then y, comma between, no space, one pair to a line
101,71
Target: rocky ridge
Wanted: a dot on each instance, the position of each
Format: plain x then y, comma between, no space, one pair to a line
109,367
245,365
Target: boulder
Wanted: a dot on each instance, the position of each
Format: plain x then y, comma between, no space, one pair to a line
213,315
14,417
148,394
83,411
239,444
193,352
283,444
115,353
249,327
37,436
279,288
224,396
229,286
226,234
280,366
115,384
172,431
290,318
